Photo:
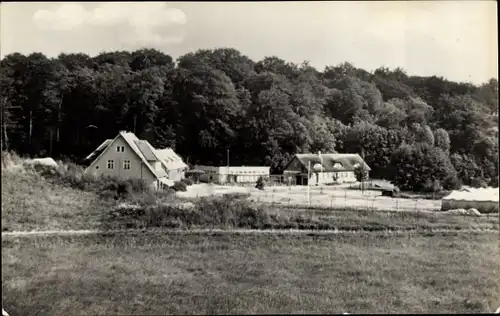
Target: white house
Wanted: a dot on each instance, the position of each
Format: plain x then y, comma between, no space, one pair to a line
127,156
324,168
232,174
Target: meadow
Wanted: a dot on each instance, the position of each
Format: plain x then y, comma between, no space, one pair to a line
161,273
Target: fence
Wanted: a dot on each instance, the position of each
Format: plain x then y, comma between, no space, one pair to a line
338,199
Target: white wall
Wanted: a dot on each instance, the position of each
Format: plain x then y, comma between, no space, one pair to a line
327,177
137,169
243,174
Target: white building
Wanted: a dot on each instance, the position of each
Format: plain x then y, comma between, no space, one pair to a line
127,156
484,200
232,174
324,168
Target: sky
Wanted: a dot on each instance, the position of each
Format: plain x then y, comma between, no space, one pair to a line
454,39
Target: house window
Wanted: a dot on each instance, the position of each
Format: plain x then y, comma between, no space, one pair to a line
120,148
111,164
126,164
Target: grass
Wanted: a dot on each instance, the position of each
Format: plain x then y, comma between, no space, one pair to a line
30,203
150,274
36,197
230,212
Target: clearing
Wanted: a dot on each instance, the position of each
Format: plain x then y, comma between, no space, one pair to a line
335,197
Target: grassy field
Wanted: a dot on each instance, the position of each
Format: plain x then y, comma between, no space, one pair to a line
222,274
30,203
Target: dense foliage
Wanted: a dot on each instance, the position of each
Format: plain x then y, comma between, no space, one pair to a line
263,112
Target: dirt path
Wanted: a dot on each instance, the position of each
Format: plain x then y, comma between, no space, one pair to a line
237,231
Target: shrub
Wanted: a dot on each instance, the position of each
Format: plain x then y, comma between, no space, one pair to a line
260,183
187,181
452,183
206,212
360,174
431,186
494,182
478,183
180,186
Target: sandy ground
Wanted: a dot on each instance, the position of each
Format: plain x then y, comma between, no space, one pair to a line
334,197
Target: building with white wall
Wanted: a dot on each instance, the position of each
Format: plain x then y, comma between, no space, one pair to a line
233,174
484,200
320,168
127,156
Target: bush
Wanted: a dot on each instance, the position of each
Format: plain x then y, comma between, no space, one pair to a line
452,183
180,186
431,186
360,174
187,181
494,182
260,183
478,183
223,212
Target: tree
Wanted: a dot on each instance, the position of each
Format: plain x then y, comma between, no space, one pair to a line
414,167
360,174
260,183
442,140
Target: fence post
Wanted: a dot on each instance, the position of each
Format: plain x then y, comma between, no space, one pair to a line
416,203
397,205
345,200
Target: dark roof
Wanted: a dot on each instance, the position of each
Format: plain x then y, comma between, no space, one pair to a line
146,150
347,162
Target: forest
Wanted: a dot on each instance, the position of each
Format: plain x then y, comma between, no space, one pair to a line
422,133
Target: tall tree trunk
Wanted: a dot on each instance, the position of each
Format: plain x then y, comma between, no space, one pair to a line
5,137
50,143
59,119
135,123
58,128
31,128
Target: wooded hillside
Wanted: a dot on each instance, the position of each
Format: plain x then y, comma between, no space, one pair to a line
420,132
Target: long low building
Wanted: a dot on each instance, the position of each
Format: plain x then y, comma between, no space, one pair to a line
484,200
233,174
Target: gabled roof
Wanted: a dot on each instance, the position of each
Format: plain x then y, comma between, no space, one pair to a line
146,149
170,159
132,141
348,162
99,149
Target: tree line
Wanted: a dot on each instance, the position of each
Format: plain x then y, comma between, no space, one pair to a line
420,132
